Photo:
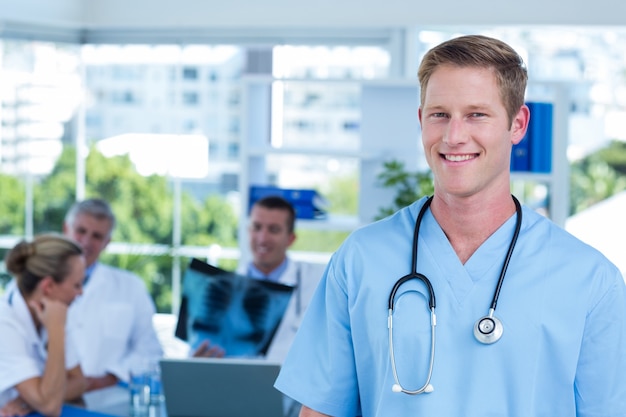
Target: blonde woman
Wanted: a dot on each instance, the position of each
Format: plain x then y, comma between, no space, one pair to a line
39,370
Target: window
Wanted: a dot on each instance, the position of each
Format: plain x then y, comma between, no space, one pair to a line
190,73
190,98
199,91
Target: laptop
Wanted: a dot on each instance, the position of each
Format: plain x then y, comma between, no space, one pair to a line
221,387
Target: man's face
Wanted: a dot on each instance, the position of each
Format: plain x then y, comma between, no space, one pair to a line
269,237
91,233
466,134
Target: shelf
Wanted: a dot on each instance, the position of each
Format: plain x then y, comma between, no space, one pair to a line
532,176
333,222
388,130
343,153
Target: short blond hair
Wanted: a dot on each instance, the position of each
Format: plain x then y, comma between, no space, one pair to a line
481,52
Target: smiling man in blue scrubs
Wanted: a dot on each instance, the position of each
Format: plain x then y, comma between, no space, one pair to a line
561,308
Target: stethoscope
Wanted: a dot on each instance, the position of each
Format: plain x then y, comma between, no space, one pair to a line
487,329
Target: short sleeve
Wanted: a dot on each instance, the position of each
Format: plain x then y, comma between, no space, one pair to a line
18,361
603,348
319,370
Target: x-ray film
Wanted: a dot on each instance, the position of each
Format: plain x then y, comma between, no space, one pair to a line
238,313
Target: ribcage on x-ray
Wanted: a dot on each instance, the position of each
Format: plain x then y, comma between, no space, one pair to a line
256,302
217,298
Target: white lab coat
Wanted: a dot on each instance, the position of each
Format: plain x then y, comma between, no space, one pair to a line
112,323
305,276
23,353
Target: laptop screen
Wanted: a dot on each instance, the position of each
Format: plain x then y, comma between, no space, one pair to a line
221,387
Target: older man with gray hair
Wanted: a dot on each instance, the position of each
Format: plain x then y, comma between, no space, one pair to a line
112,320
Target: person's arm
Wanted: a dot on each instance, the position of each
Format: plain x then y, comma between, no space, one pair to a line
17,407
47,392
76,384
600,384
307,412
99,382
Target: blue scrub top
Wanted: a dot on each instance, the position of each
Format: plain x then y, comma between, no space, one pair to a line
562,304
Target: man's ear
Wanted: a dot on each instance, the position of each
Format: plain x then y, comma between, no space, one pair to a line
520,124
292,239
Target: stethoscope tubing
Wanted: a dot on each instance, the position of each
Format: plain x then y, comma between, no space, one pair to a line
485,339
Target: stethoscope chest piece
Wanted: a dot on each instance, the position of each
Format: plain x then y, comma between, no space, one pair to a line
488,329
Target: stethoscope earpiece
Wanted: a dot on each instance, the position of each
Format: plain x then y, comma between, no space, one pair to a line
427,389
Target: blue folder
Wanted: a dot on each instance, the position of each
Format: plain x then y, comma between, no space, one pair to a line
541,137
534,152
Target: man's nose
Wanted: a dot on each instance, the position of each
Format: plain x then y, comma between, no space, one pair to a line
84,240
456,132
263,234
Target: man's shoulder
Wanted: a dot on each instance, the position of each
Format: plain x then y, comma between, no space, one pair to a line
113,273
113,269
401,222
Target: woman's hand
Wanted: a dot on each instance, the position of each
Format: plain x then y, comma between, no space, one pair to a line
50,313
15,407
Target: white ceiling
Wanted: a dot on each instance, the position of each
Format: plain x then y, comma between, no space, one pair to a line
281,14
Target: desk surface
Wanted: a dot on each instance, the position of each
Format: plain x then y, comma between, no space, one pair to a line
114,401
73,411
111,401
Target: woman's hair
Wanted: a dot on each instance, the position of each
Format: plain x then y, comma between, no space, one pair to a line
47,255
480,52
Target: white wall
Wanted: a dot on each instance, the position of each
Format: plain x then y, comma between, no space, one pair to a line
67,13
349,13
308,14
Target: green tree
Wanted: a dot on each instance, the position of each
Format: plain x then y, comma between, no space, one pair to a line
342,193
614,155
11,205
212,222
54,193
143,207
593,180
598,176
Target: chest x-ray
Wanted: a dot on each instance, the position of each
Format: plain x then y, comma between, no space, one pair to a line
236,312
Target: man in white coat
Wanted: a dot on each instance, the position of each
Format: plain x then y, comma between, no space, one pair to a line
112,320
271,232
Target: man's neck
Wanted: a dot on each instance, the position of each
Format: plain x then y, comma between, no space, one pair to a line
89,271
269,273
468,225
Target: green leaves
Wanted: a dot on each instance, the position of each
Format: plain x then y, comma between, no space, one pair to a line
409,185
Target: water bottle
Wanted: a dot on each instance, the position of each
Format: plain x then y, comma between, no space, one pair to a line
156,390
139,391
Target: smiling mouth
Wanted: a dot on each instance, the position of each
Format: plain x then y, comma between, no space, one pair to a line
459,158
